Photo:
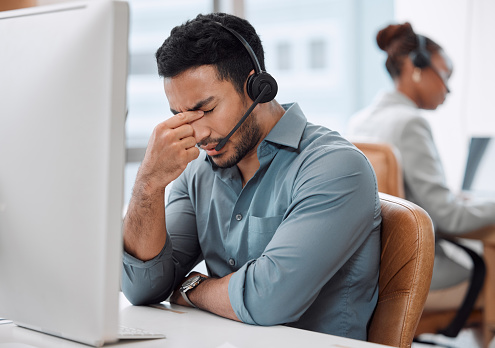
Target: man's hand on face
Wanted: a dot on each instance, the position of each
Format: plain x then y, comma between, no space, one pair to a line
171,147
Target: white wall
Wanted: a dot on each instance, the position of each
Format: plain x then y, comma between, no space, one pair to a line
465,29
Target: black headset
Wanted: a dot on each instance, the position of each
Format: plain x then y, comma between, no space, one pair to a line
420,57
260,79
261,86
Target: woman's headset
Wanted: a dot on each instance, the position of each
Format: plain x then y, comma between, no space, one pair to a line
420,57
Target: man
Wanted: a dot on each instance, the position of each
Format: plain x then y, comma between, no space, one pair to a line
286,214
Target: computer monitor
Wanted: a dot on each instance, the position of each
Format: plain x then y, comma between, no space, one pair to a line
63,72
480,167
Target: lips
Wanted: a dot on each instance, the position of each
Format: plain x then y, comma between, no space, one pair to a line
210,149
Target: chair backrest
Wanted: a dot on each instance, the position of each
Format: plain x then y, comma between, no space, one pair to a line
386,165
406,268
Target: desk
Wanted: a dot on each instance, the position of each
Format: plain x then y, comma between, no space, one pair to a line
188,327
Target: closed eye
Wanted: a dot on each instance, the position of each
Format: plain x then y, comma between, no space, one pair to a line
208,111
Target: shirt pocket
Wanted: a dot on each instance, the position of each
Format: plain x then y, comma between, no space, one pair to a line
261,231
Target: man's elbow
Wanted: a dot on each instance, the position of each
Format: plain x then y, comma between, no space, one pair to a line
135,300
269,312
275,318
140,296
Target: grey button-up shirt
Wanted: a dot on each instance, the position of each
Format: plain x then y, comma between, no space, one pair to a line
302,236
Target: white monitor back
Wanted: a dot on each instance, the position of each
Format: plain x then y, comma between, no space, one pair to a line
63,71
480,167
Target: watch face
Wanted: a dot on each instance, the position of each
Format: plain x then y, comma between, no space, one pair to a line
191,283
193,280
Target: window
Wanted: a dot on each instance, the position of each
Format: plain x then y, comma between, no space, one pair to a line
317,54
322,53
284,56
151,22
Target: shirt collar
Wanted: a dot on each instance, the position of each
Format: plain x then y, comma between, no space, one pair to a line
395,97
289,129
287,132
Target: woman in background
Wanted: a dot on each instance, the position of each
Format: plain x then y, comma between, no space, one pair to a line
420,70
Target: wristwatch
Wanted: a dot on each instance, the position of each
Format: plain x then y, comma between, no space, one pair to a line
189,284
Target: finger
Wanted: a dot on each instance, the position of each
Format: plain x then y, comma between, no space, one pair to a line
192,153
184,131
183,118
188,142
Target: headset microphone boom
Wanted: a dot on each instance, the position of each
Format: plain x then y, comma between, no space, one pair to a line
261,86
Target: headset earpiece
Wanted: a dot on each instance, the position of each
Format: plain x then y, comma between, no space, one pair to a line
420,57
261,87
255,84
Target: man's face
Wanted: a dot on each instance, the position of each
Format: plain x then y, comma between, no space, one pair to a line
200,89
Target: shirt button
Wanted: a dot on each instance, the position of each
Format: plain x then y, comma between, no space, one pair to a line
231,262
238,217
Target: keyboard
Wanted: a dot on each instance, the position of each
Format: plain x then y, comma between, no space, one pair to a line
130,333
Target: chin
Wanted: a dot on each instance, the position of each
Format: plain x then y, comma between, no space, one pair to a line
222,161
431,107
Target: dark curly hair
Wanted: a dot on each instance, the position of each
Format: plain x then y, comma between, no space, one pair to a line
201,42
398,41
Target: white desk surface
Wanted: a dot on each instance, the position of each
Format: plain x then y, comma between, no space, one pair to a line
184,328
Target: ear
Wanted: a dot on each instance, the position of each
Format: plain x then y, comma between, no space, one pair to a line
251,73
416,75
407,68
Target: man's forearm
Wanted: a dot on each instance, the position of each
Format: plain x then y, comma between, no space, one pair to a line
144,224
171,147
212,295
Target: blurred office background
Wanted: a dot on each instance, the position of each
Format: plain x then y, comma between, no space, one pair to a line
324,55
320,52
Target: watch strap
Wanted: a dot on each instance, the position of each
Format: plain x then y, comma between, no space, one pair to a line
191,284
184,296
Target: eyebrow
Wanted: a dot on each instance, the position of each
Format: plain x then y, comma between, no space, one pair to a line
198,105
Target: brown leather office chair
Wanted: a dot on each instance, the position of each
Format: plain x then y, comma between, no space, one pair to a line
383,158
6,5
389,176
406,268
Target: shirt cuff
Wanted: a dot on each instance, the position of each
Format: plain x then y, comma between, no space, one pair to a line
165,253
236,294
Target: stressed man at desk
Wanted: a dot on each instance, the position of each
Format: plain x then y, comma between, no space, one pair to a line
285,213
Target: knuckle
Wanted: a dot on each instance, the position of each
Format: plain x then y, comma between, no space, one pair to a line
160,127
187,130
195,152
168,136
192,143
